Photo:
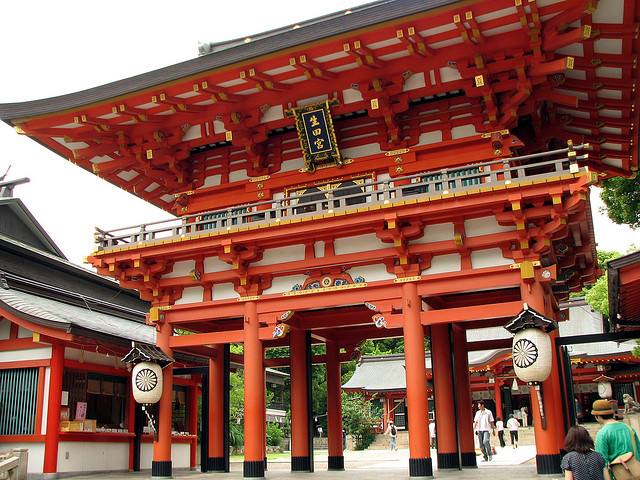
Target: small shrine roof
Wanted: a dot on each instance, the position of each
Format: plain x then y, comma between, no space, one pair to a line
624,289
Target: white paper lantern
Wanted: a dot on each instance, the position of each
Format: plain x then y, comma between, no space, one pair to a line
532,355
605,390
146,378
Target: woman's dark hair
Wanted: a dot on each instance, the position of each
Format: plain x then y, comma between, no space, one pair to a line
578,440
498,419
607,416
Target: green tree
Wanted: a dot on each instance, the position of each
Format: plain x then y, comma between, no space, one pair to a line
597,295
622,199
357,419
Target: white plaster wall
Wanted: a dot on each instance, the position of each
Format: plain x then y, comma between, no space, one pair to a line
361,150
359,243
351,95
371,273
223,291
291,165
212,181
414,81
181,269
318,248
93,456
273,256
5,329
214,264
490,257
22,355
272,113
582,321
437,232
179,455
284,284
428,138
444,264
191,295
463,131
93,357
238,175
36,454
484,226
491,333
24,333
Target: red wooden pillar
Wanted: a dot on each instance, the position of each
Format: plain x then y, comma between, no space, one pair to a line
253,395
216,411
300,432
52,437
547,439
161,465
497,393
444,401
334,407
193,425
417,405
463,398
386,413
264,412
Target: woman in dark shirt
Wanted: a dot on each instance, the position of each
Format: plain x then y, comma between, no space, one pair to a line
582,462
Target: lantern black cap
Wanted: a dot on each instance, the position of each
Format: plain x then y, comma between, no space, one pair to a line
147,353
529,318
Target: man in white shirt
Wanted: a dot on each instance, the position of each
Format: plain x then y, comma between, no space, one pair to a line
483,423
513,425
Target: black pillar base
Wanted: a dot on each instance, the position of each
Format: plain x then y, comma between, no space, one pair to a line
546,464
336,463
448,460
161,469
216,464
253,469
265,464
420,467
469,460
300,464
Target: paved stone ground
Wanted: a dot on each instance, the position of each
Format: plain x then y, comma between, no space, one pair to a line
507,464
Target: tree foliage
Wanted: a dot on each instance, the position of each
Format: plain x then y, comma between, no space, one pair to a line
622,199
597,295
357,419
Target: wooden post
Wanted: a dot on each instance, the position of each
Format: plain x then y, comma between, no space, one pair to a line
444,401
334,407
463,398
161,466
51,440
300,415
253,395
497,393
547,439
417,404
216,461
193,425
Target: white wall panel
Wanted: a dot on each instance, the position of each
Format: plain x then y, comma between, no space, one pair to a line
214,264
359,243
93,456
485,226
27,354
284,284
437,232
223,291
36,455
491,257
5,329
444,264
181,269
191,295
371,273
272,256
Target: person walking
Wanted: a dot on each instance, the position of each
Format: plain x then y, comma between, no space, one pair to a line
616,440
524,412
432,433
483,424
500,429
392,431
513,425
581,461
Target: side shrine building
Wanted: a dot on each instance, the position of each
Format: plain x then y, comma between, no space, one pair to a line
399,169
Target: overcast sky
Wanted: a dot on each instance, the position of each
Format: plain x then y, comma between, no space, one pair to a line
52,48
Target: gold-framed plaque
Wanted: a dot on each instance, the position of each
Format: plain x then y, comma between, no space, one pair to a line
317,136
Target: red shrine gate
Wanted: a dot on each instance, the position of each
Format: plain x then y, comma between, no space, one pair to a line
432,186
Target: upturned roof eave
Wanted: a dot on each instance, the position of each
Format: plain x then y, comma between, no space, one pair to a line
379,12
